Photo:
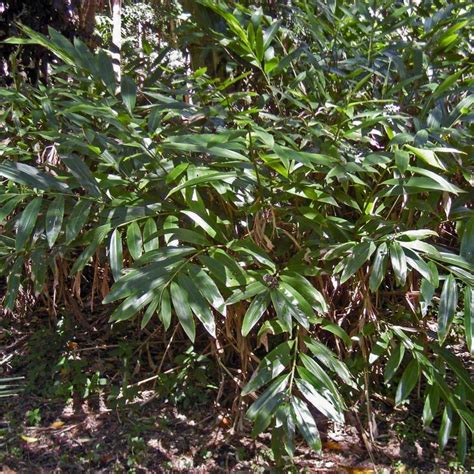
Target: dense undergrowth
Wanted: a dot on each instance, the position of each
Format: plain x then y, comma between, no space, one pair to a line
306,219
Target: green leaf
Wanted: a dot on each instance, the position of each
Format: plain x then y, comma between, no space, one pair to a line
187,235
165,310
30,176
427,184
334,329
359,255
379,267
249,248
272,365
10,205
26,223
467,242
394,362
250,291
255,311
283,434
318,401
462,443
469,317
150,311
306,424
428,156
380,346
278,385
447,307
430,407
282,308
318,377
265,414
259,43
306,290
402,160
150,241
129,93
54,219
399,263
82,173
427,291
115,254
330,360
408,381
176,172
134,240
97,235
77,219
106,70
198,304
39,268
299,308
446,427
418,264
13,284
270,33
203,222
231,268
207,178
447,83
208,288
131,306
181,305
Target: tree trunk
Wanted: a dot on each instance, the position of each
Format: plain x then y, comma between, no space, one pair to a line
116,36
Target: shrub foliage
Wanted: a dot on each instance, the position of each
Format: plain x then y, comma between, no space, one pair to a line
311,211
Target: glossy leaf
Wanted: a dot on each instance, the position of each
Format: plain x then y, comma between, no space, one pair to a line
272,365
399,262
77,219
198,304
150,240
180,299
394,362
378,269
129,93
446,427
306,424
13,283
27,222
447,307
254,312
134,240
408,381
115,254
54,219
469,317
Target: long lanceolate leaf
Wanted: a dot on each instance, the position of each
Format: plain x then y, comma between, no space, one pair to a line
447,307
299,206
271,366
181,304
469,317
305,422
26,222
30,176
54,219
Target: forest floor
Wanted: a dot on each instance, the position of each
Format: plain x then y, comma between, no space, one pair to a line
148,436
40,431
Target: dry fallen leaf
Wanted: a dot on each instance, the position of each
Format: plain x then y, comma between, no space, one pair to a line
57,424
6,470
333,446
29,439
358,470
